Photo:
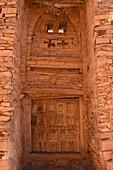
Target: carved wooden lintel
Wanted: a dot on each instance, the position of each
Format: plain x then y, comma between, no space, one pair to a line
35,93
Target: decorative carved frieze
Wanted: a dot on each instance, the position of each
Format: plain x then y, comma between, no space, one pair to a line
55,80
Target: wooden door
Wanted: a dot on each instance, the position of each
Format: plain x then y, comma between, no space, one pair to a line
56,125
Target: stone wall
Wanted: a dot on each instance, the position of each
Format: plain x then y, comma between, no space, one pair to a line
99,29
10,112
104,80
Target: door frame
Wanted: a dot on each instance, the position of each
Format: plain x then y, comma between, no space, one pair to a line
27,129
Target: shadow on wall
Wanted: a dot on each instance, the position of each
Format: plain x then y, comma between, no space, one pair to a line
54,165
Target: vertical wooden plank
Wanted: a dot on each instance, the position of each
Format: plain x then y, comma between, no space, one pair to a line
81,124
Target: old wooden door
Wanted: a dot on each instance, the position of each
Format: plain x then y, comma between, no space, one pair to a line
55,125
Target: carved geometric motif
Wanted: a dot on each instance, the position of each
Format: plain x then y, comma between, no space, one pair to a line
55,81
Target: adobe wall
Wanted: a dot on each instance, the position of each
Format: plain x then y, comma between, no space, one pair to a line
10,110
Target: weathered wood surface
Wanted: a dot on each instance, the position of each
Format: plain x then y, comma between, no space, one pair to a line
56,125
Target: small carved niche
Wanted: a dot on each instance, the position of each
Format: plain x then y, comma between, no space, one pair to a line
50,28
62,27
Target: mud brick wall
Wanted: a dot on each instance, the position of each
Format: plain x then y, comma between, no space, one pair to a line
100,82
10,121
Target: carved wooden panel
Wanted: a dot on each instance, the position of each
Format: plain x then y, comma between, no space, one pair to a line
56,125
74,81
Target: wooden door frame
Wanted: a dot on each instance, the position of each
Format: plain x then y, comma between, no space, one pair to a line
26,124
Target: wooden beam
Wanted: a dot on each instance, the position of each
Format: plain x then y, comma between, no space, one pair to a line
61,3
37,92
